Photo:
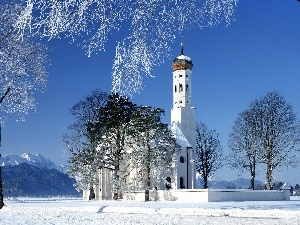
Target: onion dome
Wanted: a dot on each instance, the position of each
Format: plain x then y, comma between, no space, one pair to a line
182,62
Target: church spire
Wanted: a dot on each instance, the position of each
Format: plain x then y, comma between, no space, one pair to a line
181,49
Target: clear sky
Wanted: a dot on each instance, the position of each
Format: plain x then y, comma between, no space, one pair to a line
256,54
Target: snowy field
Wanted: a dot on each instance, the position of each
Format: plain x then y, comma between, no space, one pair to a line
76,211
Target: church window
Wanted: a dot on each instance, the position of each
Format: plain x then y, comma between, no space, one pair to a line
180,102
181,159
180,75
181,183
180,87
175,88
187,87
187,101
186,76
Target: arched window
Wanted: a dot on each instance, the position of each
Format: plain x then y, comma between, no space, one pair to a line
175,88
181,159
181,183
186,87
180,88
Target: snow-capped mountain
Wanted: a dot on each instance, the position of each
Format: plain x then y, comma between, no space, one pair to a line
35,160
35,176
28,180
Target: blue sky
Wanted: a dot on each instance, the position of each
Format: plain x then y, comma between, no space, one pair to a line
256,54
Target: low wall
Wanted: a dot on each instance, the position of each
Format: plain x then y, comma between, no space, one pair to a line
212,195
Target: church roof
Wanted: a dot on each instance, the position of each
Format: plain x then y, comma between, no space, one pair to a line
179,136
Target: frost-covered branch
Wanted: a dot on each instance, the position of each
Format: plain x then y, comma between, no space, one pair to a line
146,28
23,63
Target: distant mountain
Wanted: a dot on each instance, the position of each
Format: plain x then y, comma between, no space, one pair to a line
239,183
35,176
35,160
24,179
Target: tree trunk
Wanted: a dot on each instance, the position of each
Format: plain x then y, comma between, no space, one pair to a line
269,177
205,182
147,175
92,193
252,181
147,195
1,190
116,193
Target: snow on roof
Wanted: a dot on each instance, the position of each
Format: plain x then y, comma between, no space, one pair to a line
184,57
179,136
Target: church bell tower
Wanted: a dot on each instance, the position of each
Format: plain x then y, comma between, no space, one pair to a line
183,115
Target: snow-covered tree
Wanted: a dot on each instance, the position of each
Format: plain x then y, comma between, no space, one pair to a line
146,29
244,145
278,132
209,152
113,133
81,139
269,133
115,137
23,63
154,148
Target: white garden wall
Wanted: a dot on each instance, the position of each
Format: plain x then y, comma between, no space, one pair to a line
212,195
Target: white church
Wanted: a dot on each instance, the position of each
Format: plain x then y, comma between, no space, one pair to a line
183,127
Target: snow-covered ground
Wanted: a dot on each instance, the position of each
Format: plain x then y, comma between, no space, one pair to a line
76,211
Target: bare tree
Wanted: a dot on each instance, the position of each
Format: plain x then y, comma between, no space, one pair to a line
268,132
23,64
147,29
278,133
244,146
209,152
